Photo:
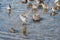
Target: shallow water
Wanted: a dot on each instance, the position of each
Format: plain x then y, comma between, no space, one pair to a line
47,29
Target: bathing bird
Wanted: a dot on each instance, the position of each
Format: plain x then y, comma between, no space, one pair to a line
8,7
24,17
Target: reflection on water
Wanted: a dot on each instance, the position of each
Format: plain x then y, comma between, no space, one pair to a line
9,11
47,29
24,30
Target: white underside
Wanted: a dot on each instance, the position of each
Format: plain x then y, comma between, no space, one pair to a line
57,4
53,9
56,1
45,7
23,18
37,2
8,7
28,1
34,6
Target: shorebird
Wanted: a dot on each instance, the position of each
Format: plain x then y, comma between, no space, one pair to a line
30,1
29,5
54,8
8,7
53,14
36,17
24,17
12,30
44,6
24,1
58,8
57,3
34,7
39,1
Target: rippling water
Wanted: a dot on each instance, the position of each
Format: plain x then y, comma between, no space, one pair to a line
46,29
